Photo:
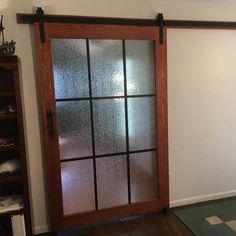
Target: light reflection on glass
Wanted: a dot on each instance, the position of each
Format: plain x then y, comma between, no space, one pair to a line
77,186
107,72
140,66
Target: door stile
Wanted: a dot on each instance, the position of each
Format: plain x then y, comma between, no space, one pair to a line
51,150
162,119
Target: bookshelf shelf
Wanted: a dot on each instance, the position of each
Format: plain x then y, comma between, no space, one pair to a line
7,94
11,178
9,148
11,213
8,116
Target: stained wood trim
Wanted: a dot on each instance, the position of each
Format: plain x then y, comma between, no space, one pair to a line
108,214
162,120
9,60
84,31
51,150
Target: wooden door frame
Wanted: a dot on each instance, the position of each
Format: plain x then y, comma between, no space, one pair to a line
47,101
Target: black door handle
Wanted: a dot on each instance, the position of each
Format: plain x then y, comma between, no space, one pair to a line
51,131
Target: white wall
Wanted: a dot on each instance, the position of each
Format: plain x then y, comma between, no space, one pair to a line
201,135
202,114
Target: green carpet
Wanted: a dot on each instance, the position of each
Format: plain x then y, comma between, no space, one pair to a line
194,217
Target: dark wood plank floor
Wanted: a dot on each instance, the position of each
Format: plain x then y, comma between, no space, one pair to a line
159,224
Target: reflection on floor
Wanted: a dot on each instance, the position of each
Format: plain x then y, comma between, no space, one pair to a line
158,224
215,218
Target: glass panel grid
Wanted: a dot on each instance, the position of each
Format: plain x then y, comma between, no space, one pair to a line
103,91
126,122
108,155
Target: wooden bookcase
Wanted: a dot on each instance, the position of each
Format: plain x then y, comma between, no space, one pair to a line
11,127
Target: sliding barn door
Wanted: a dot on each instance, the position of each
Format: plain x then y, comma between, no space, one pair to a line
103,99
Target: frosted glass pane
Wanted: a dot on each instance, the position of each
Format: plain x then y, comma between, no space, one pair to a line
140,66
143,175
70,68
142,123
107,67
112,181
109,124
77,186
74,129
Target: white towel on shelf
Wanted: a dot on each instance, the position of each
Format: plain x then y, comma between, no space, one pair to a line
18,225
10,166
10,203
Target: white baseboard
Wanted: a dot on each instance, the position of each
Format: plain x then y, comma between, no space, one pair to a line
41,229
176,203
202,198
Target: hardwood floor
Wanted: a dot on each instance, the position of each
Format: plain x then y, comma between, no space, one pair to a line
158,224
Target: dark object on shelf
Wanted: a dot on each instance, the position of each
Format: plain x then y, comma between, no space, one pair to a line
11,108
6,48
3,111
7,141
10,166
5,227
